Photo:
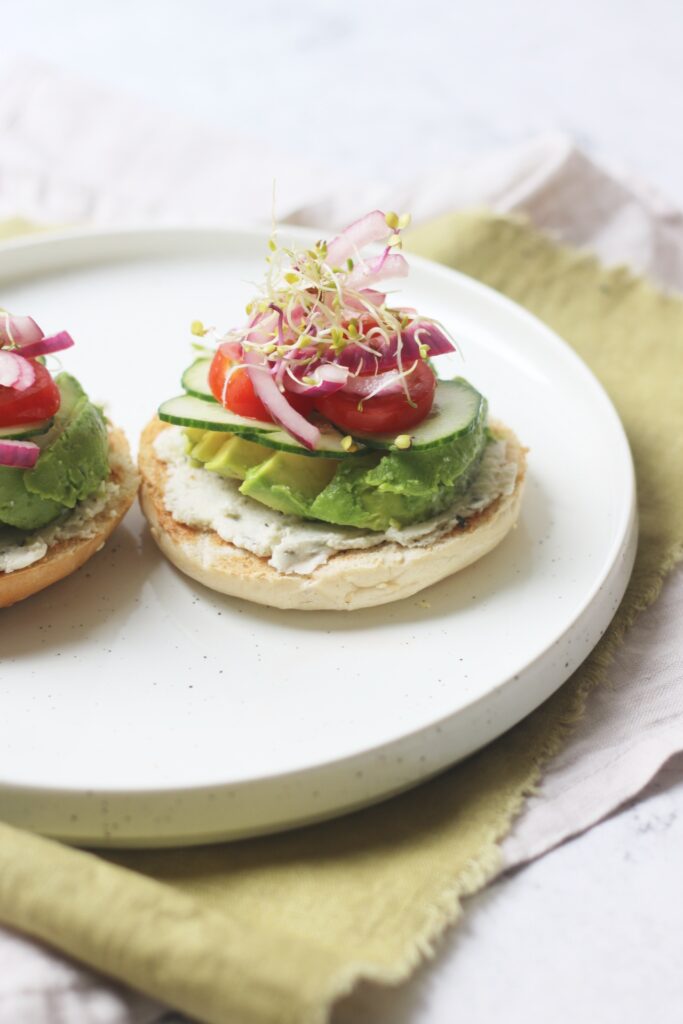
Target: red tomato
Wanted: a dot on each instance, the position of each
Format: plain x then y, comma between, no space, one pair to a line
38,402
383,414
240,396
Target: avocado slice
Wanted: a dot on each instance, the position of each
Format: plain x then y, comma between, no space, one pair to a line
73,462
236,456
281,480
18,507
401,487
289,483
226,454
76,463
206,446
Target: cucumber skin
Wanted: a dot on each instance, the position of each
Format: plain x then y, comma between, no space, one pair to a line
385,445
19,433
259,436
211,416
187,382
283,446
200,394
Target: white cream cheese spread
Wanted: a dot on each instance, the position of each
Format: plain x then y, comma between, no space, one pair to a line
197,497
35,544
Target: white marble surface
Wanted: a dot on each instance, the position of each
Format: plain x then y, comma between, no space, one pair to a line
385,90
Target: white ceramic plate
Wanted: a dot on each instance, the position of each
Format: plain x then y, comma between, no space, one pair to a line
138,708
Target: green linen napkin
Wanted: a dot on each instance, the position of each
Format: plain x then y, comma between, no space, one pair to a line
273,929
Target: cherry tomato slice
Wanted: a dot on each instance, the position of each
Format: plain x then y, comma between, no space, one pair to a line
239,395
38,402
383,414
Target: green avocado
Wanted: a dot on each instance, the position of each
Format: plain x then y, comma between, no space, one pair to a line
289,483
73,462
207,446
235,457
18,507
371,492
402,487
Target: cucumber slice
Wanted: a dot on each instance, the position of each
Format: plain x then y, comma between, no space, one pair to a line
329,445
458,410
189,411
24,430
195,380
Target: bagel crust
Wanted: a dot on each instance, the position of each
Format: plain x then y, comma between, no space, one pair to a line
349,579
65,556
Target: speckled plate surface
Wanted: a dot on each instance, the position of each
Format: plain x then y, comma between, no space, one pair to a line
139,708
